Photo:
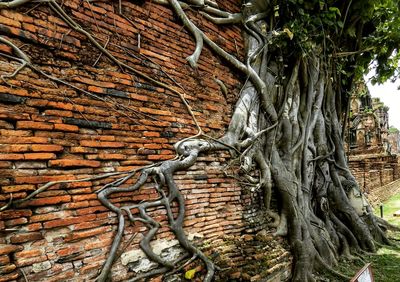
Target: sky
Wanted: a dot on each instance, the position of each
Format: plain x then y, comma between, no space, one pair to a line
390,96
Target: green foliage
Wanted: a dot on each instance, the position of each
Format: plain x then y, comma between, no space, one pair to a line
393,130
351,33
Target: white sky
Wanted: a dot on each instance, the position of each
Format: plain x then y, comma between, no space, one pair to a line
390,96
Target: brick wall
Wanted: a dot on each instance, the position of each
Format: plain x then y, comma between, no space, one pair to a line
374,171
383,193
52,132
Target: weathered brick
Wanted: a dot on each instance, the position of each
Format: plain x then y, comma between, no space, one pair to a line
14,148
46,148
66,127
28,253
109,156
7,249
7,268
68,221
49,200
5,164
4,132
26,237
11,157
16,221
39,156
89,143
91,210
74,163
42,179
50,216
31,164
98,244
8,214
33,227
88,233
29,261
78,198
23,140
34,125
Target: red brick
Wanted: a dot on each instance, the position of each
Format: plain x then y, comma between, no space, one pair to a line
89,143
91,267
34,125
23,140
17,188
160,157
47,148
79,198
79,184
17,221
94,82
95,89
5,132
76,205
63,276
107,156
139,97
151,134
153,146
26,237
39,156
42,179
91,210
94,224
11,157
4,197
59,114
68,221
29,261
88,233
33,227
14,148
98,244
69,250
9,22
66,127
7,249
155,112
28,253
49,201
50,216
74,163
9,214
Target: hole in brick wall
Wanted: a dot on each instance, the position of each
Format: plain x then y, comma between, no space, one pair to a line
12,99
11,122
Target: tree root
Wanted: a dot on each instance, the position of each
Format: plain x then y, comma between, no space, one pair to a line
163,177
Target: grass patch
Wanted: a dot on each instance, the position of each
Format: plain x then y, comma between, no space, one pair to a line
389,208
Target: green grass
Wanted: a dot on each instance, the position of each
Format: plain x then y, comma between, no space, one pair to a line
389,207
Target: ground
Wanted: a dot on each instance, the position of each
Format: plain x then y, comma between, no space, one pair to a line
386,262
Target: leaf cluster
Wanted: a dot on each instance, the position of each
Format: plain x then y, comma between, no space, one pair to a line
352,32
